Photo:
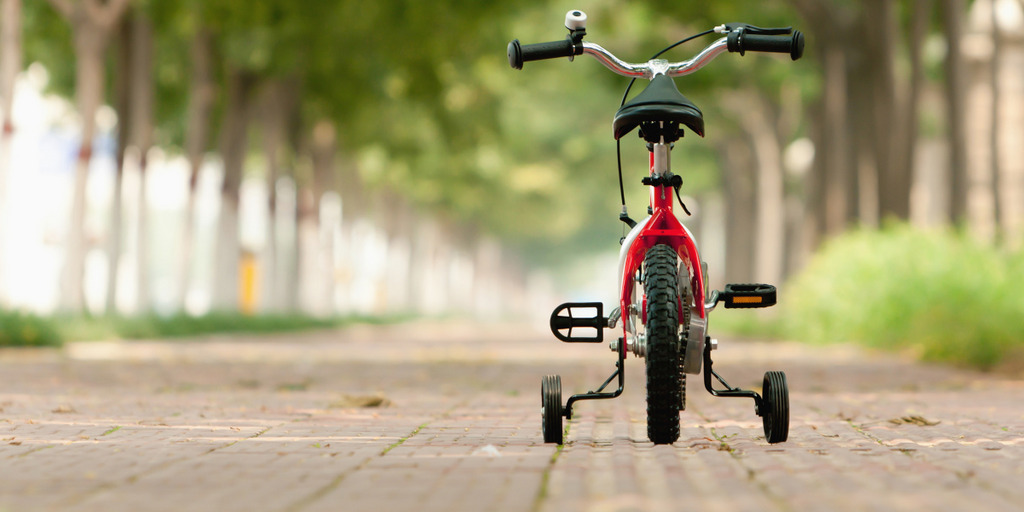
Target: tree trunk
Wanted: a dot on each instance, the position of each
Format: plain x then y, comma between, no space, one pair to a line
953,12
279,106
10,65
864,159
739,223
395,213
91,23
233,138
142,89
324,149
905,158
831,184
893,181
123,104
834,154
10,59
996,67
770,237
202,93
305,262
89,72
273,140
353,211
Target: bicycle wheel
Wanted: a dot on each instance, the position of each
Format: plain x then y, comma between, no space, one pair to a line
775,393
663,354
551,412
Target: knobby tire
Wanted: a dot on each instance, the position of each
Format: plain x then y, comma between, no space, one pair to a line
664,387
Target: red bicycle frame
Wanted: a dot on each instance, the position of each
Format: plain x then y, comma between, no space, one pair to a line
662,227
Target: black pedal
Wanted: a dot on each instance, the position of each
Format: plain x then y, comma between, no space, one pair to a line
573,319
743,296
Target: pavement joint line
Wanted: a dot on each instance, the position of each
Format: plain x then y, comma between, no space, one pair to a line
737,456
723,444
859,428
113,429
968,478
334,483
236,441
36,449
131,479
545,478
398,443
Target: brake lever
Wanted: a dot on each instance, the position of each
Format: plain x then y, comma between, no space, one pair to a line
750,29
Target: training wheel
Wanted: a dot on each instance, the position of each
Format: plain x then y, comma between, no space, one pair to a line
775,394
551,408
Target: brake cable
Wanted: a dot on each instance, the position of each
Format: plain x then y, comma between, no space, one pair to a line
618,143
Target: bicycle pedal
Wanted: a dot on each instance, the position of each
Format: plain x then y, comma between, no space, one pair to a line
597,322
744,296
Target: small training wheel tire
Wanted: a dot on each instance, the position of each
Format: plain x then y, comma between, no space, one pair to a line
551,408
775,395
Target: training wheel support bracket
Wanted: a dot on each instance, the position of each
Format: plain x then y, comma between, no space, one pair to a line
620,372
729,391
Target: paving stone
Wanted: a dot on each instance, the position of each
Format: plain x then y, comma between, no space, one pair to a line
262,423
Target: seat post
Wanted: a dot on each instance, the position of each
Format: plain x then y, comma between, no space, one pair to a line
660,161
660,168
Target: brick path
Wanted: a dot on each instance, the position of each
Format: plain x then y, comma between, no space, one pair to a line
272,423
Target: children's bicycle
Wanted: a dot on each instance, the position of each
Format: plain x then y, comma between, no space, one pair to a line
664,297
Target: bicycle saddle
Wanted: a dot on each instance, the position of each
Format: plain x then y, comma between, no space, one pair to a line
660,101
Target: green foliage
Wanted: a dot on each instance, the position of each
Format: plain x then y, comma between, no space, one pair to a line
181,325
47,39
425,102
940,295
26,330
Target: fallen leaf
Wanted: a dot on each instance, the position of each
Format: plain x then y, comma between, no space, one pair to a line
352,401
914,420
64,409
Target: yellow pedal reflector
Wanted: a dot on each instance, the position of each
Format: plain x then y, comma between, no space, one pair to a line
747,300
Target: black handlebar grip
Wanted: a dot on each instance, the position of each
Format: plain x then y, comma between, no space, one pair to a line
791,44
520,53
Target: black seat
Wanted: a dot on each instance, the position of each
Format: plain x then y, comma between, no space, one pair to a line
660,101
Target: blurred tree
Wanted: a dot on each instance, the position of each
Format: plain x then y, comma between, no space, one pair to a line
201,98
142,125
91,23
134,88
997,103
278,104
10,65
425,114
122,104
238,96
952,12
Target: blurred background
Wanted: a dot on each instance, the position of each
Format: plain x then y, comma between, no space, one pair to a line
176,159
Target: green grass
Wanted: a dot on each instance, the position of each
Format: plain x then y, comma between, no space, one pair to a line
20,329
27,330
937,294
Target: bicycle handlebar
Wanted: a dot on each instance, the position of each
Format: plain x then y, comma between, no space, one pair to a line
741,41
519,53
740,38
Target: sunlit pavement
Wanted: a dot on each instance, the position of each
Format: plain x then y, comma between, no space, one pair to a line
442,416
